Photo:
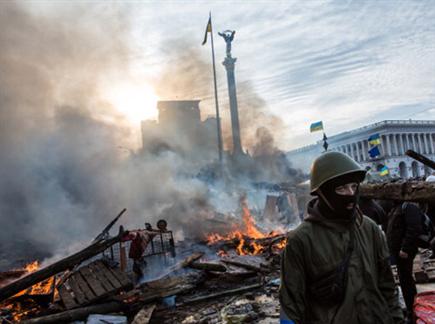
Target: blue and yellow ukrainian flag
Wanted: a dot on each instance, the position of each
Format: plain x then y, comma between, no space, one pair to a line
384,171
374,152
317,126
375,139
207,30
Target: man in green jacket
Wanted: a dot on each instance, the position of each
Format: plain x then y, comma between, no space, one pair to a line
335,267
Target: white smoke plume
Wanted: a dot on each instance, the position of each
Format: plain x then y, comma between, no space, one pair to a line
63,176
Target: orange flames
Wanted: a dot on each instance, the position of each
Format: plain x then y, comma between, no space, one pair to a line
41,288
32,266
19,311
242,235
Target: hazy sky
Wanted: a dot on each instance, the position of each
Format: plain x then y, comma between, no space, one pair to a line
348,63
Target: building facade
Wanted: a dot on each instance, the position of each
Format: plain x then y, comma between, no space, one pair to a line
397,136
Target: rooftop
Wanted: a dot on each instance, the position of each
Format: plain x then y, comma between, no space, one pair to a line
407,122
365,129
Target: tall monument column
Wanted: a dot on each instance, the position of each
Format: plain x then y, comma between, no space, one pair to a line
229,62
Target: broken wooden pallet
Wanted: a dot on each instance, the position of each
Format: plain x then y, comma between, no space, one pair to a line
429,268
92,282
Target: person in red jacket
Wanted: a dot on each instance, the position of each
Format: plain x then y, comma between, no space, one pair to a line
139,242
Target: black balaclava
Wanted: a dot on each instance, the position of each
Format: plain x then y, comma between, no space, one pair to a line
333,205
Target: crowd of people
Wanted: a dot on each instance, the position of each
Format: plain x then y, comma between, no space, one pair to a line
336,265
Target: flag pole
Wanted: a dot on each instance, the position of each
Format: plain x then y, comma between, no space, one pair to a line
218,120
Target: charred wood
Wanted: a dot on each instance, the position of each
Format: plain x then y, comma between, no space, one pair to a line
275,241
59,266
9,276
186,262
13,274
208,266
417,191
170,282
105,232
248,240
221,294
232,275
267,240
77,314
246,266
135,299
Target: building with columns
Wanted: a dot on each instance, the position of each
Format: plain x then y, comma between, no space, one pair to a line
397,136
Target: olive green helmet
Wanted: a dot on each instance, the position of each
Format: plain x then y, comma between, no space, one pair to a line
331,165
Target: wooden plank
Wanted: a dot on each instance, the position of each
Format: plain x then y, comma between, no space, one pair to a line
77,314
78,293
208,266
121,276
84,287
431,274
95,285
417,191
122,257
222,294
59,266
144,315
12,274
245,266
98,273
106,308
109,275
66,297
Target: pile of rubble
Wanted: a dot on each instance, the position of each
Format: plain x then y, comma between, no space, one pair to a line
232,278
198,288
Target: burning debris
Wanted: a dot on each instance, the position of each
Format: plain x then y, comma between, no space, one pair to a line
232,277
98,279
247,239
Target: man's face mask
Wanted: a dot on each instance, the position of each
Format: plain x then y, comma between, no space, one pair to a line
340,196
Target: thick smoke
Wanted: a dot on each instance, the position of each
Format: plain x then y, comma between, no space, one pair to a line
254,115
64,176
188,76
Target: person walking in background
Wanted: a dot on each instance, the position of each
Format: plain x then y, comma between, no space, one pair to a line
404,228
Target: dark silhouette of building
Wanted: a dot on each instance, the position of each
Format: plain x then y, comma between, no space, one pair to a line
179,129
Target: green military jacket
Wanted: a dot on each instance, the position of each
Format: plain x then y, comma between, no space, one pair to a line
317,247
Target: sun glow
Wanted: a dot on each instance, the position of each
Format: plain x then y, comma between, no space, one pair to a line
136,101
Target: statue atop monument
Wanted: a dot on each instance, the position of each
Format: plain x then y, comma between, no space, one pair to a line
228,36
229,63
